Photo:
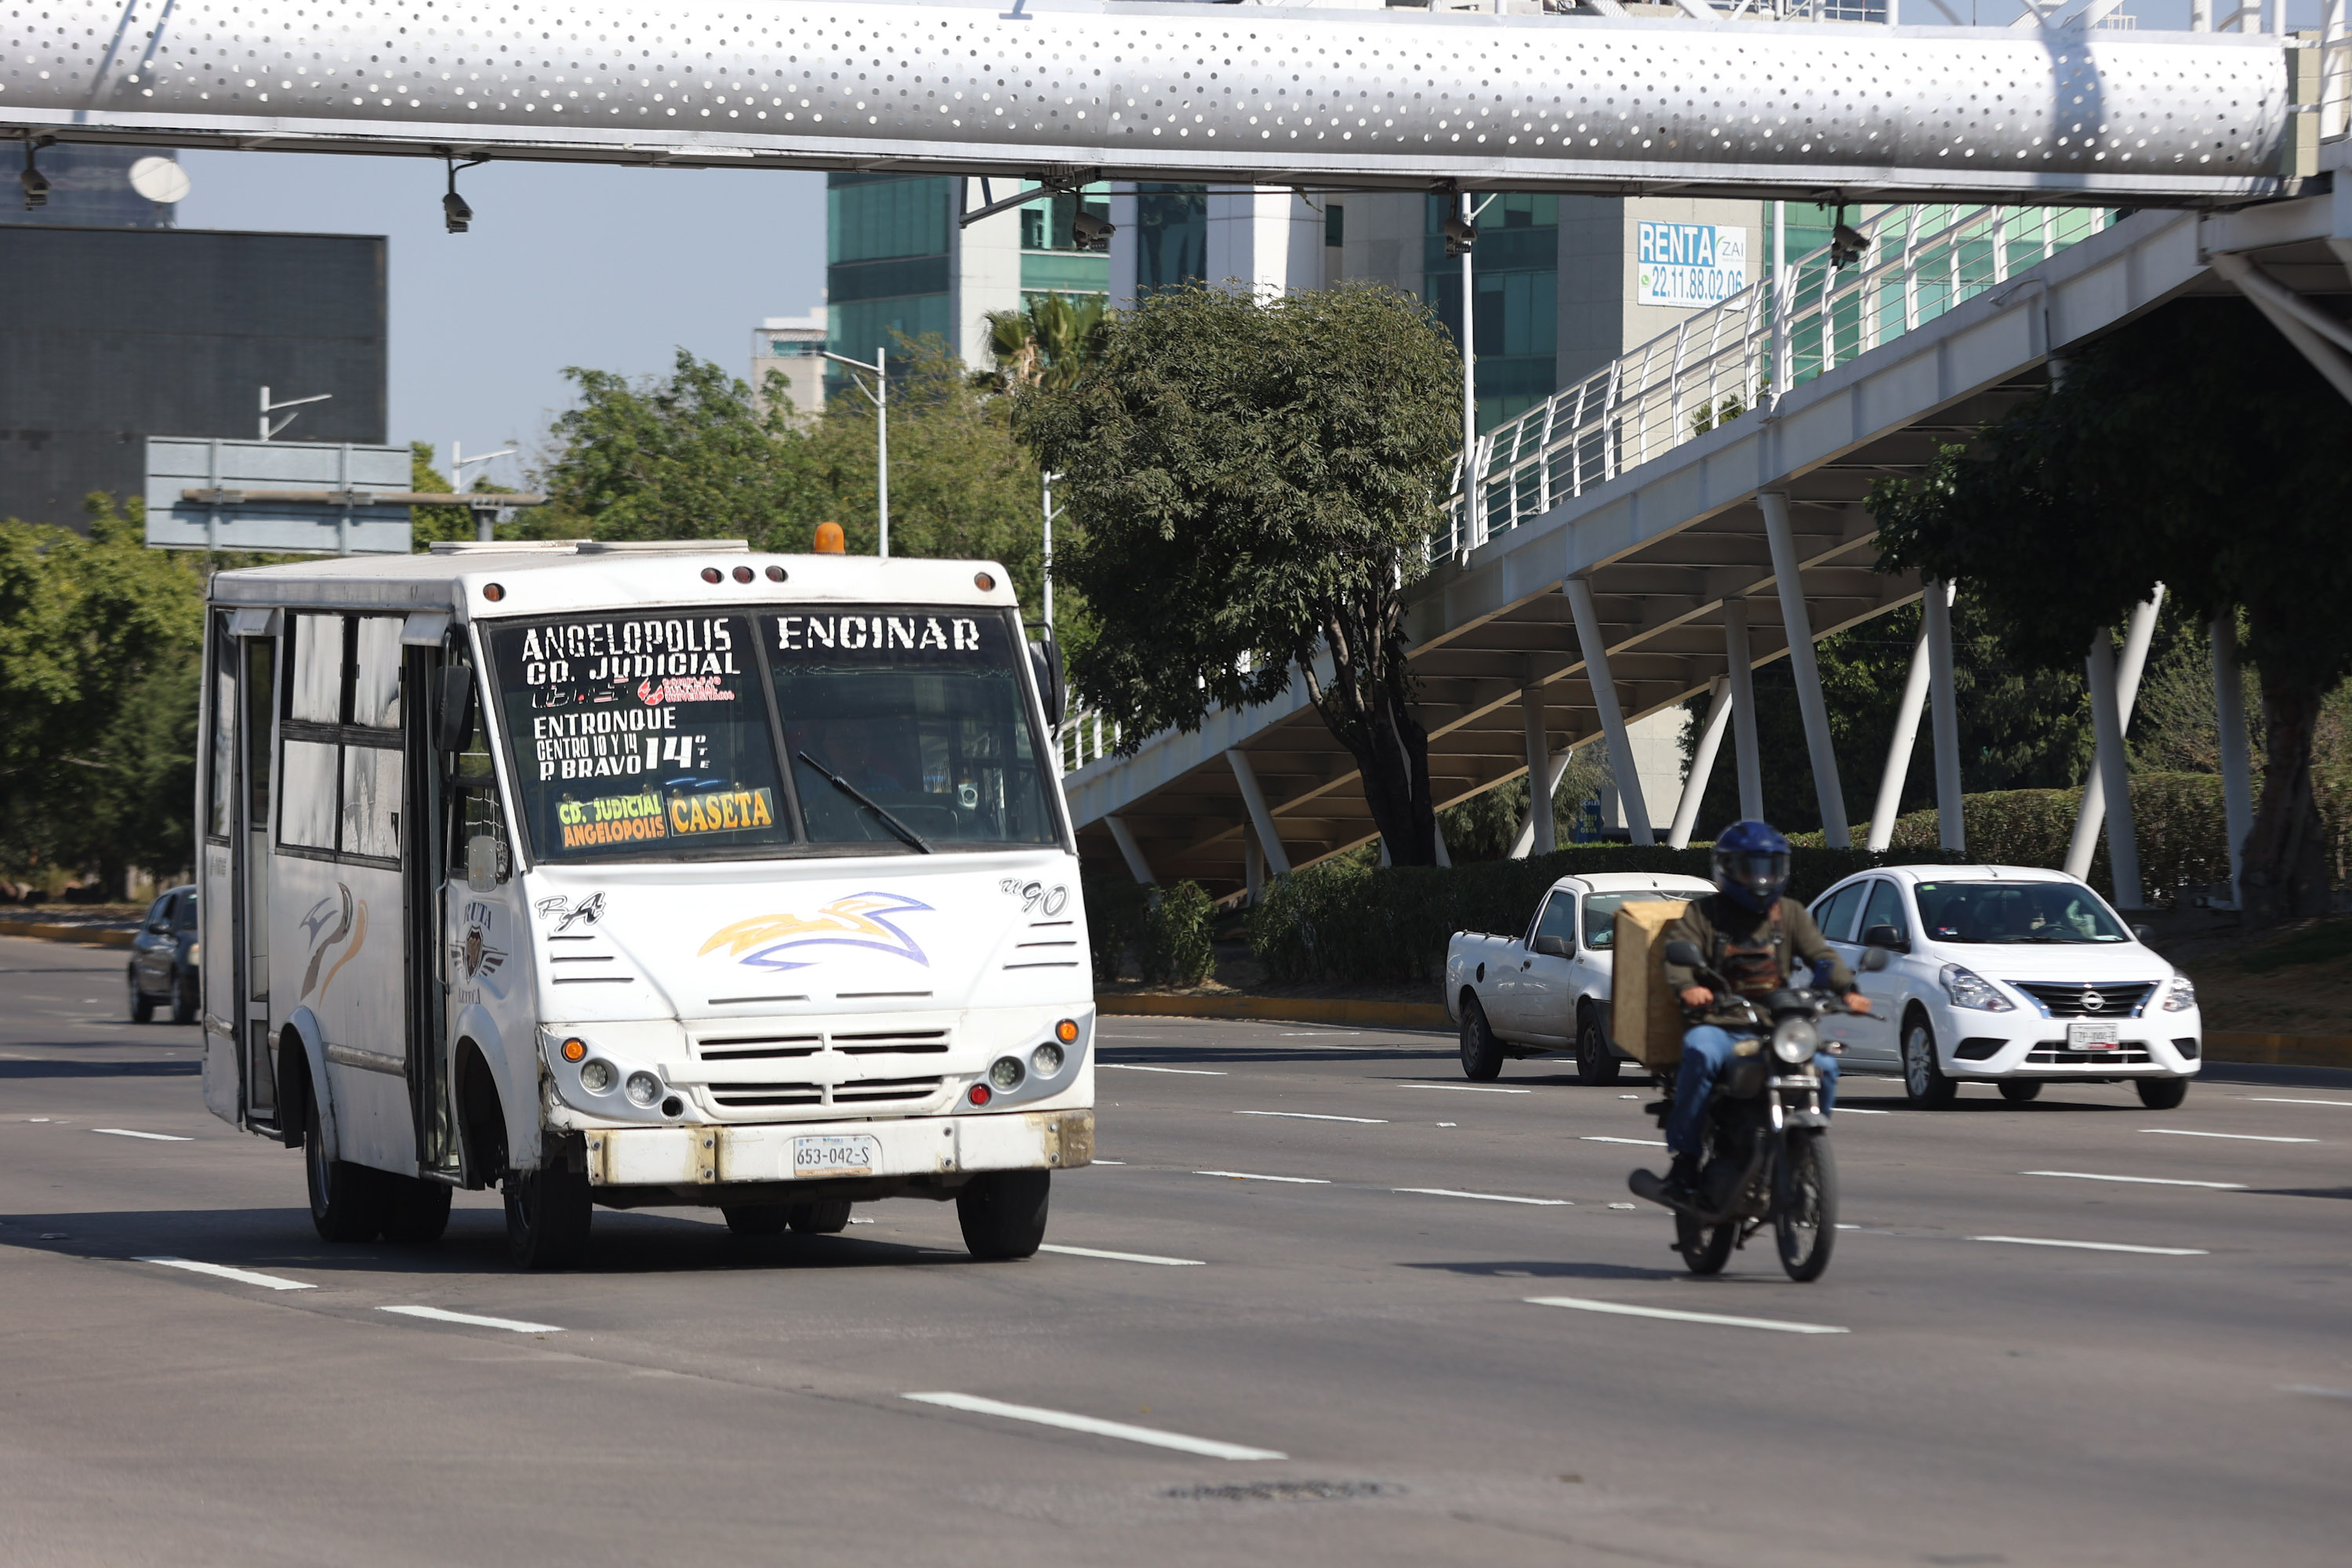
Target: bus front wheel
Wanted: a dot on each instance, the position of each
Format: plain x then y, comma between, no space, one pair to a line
1004,1213
548,1212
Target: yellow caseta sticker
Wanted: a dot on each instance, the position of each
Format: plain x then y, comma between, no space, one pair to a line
612,819
722,811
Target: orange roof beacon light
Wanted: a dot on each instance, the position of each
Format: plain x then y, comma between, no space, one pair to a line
830,541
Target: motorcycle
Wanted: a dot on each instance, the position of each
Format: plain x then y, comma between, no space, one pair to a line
1765,1152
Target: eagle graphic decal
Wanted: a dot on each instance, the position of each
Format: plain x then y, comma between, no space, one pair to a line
764,941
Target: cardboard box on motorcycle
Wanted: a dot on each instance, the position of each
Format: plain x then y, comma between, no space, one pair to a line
1645,1016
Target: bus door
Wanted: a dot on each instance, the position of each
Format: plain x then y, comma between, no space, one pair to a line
480,904
240,1074
425,829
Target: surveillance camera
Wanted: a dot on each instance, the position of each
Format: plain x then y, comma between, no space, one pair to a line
1090,231
1847,245
456,213
1460,236
37,187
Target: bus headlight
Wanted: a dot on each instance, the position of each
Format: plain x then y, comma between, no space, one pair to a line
1006,1073
596,1077
644,1088
1794,1040
1046,1059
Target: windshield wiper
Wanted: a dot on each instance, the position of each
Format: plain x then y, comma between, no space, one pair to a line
853,793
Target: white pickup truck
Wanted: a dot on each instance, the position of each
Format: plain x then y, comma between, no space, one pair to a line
1546,990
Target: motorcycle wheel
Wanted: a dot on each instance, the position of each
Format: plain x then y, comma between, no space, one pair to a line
1705,1249
1804,1207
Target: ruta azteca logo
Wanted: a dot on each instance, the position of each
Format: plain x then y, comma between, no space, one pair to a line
855,920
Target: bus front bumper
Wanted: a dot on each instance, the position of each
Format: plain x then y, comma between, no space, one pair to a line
814,1151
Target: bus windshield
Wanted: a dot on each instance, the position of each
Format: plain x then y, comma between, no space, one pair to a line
919,711
654,737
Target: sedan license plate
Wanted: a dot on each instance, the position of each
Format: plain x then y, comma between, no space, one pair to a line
2091,1036
857,1155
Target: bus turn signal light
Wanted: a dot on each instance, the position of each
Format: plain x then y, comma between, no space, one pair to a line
575,1048
1067,1031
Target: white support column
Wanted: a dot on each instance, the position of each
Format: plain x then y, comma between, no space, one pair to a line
1951,825
2137,633
1268,840
1815,712
1900,745
1613,716
1543,836
1621,770
2237,774
1437,836
1253,867
2108,722
1702,767
1132,852
1740,663
1555,769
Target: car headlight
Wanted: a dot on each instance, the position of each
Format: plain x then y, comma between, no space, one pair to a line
1046,1059
195,955
1966,988
1795,1040
2180,995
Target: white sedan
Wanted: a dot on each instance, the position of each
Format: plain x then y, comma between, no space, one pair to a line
2011,973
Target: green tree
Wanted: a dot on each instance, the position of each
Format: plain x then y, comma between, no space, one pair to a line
2193,447
1250,479
688,456
98,648
1048,342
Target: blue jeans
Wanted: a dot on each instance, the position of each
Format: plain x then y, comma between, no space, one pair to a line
1707,1051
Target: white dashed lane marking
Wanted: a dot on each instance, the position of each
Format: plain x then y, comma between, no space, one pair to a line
2096,1245
1637,1143
1489,1197
127,1133
1621,1309
1466,1088
222,1271
2148,1181
2278,1100
1186,1072
2238,1137
1312,1116
1252,1176
1124,1256
1208,1447
473,1321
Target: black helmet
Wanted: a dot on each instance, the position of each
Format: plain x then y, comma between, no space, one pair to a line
1751,864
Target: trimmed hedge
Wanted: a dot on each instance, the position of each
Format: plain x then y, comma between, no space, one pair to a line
1349,922
1167,931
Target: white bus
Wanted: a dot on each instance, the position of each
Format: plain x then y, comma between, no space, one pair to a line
642,874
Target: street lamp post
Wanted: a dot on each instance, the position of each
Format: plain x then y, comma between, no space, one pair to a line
485,521
1045,560
880,395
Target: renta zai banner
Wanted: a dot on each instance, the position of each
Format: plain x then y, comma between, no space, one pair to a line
1689,264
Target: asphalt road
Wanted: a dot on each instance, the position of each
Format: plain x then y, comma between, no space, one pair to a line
690,1397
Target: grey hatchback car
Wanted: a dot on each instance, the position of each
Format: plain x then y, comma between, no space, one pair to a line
164,959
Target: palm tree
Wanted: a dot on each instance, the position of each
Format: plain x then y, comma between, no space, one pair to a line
1045,345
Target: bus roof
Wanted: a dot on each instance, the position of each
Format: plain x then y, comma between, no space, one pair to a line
570,576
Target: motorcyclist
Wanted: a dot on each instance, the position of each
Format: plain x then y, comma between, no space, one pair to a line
1754,939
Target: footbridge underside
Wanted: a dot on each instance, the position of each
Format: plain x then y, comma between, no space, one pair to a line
1676,553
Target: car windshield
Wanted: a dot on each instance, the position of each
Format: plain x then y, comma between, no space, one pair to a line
920,713
1601,914
2012,912
654,737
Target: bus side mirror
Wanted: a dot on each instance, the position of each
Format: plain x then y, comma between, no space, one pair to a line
455,714
486,863
1053,686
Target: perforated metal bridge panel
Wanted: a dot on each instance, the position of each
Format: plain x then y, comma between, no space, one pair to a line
1238,93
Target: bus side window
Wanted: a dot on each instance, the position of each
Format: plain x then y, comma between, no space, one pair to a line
474,798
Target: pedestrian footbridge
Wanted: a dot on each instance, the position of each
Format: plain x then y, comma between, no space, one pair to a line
1658,530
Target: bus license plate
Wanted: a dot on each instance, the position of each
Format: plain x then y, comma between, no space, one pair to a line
855,1155
2091,1036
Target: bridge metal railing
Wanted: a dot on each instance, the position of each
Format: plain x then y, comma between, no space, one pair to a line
1727,359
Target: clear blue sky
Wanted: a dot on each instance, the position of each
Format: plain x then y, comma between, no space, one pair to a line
615,268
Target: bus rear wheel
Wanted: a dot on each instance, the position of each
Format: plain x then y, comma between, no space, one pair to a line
1004,1213
547,1211
347,1201
826,1216
417,1211
755,1219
